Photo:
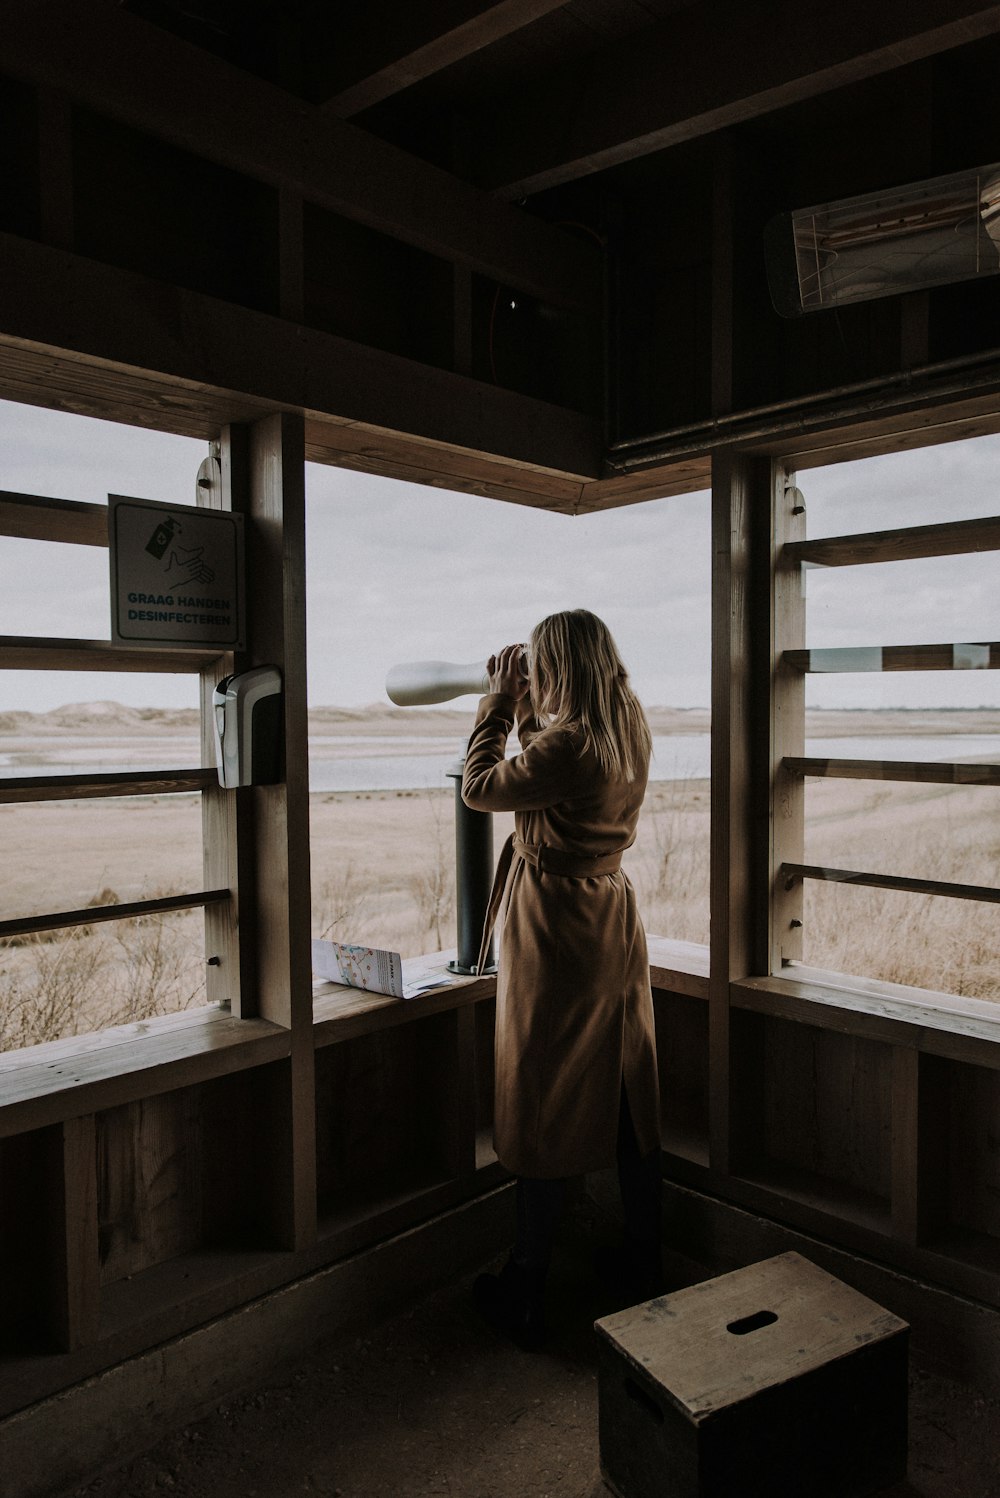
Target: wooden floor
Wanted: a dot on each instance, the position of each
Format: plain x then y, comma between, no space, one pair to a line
431,1402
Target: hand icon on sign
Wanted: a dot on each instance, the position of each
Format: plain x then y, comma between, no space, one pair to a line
192,568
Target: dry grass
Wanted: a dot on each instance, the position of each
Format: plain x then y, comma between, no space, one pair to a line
383,873
945,833
92,977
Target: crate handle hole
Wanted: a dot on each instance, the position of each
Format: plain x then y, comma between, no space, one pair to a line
751,1323
643,1400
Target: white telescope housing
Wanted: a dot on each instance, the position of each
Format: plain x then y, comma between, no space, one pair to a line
420,683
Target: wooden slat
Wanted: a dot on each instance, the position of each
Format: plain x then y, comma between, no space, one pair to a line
33,518
972,656
906,544
421,41
92,915
20,788
905,1191
705,68
227,857
788,712
105,58
120,326
75,1219
36,653
924,773
741,493
982,892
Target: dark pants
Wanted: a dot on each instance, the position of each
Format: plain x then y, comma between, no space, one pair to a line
540,1204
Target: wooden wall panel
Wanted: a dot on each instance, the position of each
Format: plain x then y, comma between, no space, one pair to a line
827,1105
28,1178
973,1132
485,1021
149,1157
383,1117
682,1056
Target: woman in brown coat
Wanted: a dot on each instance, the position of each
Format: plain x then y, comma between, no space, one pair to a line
576,1079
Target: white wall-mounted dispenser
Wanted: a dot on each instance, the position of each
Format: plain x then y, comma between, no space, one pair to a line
247,714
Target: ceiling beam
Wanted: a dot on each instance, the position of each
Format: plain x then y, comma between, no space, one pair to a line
156,355
124,67
712,65
422,40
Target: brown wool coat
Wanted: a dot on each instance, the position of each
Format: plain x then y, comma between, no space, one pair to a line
574,1007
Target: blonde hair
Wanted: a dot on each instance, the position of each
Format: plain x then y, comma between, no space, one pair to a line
577,680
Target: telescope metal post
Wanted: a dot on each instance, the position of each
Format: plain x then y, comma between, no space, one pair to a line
473,878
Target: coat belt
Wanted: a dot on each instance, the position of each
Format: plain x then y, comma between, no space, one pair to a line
550,861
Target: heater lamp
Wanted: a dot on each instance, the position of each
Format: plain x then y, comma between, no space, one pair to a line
926,234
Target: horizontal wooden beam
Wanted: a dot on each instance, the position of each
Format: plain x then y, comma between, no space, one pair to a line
421,40
706,68
915,771
23,788
907,544
686,476
921,1019
94,914
125,67
88,1073
33,518
36,653
401,457
854,658
983,892
166,356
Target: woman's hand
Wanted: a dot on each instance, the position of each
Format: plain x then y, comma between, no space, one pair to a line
506,672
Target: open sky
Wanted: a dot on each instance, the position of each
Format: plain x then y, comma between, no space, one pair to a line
400,572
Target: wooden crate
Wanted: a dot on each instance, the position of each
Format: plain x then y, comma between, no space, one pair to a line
775,1380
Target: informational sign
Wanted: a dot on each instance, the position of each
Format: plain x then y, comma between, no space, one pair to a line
177,574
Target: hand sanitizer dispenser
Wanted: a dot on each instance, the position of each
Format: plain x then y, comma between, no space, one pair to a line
247,712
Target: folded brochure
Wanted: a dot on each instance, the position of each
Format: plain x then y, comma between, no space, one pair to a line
371,968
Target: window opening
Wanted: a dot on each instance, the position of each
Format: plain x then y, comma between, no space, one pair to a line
900,764
102,908
437,575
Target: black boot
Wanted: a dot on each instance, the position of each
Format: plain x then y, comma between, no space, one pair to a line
512,1303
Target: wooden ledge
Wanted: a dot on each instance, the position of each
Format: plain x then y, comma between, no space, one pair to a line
939,1024
678,966
342,1013
63,1079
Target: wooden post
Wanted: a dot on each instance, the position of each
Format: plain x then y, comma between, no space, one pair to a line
74,1304
228,861
257,838
920,1130
741,525
281,920
788,632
